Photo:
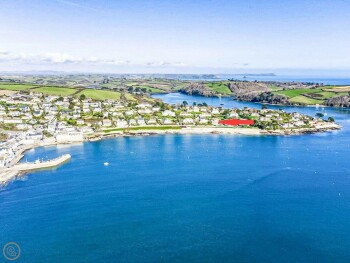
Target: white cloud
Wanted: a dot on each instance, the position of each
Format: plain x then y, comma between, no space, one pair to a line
3,52
117,62
59,58
54,58
165,64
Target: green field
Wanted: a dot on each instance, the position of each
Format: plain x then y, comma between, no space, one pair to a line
319,95
108,85
100,94
305,100
132,83
144,128
6,86
152,90
219,88
296,92
337,89
129,97
328,94
55,91
274,88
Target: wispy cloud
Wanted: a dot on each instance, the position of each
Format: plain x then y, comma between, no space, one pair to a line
54,58
61,59
3,52
68,3
76,5
165,64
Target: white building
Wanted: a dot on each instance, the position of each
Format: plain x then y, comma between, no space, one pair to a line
70,137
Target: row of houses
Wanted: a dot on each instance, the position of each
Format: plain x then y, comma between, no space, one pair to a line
32,117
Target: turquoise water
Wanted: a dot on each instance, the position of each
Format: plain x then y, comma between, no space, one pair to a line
191,198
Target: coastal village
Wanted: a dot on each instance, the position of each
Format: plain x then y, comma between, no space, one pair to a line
30,120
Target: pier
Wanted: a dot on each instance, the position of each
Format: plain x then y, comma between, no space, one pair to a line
7,174
42,165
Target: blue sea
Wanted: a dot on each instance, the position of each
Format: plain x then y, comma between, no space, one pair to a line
292,78
326,80
188,198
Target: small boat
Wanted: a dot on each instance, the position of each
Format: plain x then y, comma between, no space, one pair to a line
106,163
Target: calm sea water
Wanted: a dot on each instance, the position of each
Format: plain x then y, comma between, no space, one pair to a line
314,79
288,78
191,198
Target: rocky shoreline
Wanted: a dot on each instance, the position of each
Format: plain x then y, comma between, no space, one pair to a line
216,130
301,131
10,173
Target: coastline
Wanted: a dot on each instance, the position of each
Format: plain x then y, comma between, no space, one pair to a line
16,170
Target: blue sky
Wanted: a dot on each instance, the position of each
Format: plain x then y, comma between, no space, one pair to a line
206,36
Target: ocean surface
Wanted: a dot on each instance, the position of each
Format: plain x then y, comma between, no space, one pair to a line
288,78
330,80
190,198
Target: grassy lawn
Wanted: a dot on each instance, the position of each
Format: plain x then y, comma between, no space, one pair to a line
305,100
219,87
132,83
100,94
296,92
56,91
274,88
129,97
329,94
7,86
180,86
296,96
152,90
149,99
145,128
155,90
338,89
108,85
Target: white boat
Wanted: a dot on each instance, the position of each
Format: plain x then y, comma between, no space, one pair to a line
106,163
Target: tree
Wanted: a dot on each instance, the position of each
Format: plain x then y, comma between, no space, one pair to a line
82,97
72,122
319,114
163,107
185,103
331,119
144,90
205,104
264,107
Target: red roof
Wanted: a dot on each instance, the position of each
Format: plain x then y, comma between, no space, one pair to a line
236,122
